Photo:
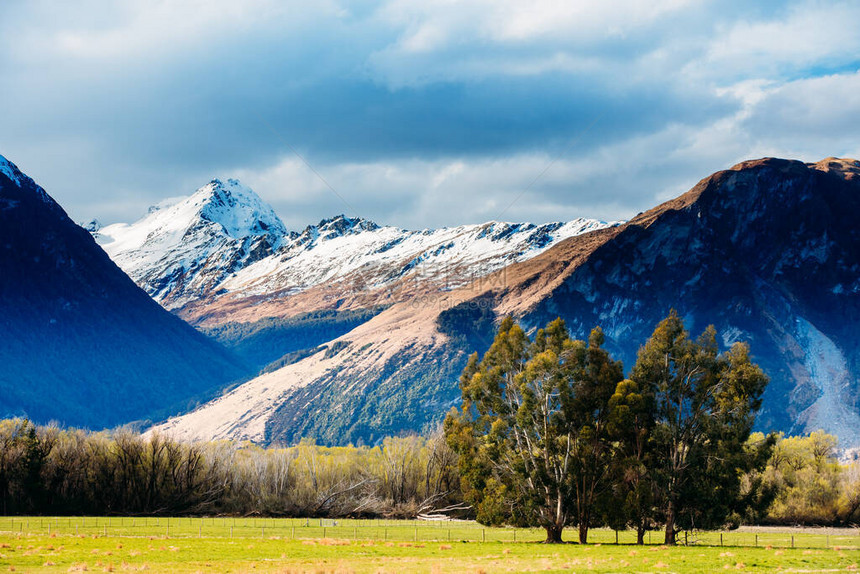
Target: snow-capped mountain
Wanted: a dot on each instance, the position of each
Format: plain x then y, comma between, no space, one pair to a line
183,248
366,258
767,251
223,255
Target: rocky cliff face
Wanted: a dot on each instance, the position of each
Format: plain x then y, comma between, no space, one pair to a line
769,252
80,343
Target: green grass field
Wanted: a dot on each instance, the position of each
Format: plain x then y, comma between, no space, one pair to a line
179,545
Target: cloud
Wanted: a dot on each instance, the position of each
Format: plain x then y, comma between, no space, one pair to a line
419,114
807,36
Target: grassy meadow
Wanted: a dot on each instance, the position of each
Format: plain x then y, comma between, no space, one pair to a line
177,545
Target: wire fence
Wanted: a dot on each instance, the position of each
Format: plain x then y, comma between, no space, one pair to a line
393,530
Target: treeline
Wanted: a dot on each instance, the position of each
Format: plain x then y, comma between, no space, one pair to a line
47,470
551,434
805,483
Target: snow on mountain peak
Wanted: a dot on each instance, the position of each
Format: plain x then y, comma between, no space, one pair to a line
93,225
16,176
229,209
10,170
341,225
237,209
221,227
224,239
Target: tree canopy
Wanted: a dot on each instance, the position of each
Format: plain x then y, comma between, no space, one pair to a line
551,434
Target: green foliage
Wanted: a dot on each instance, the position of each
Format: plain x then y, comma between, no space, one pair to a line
551,434
471,323
807,483
22,456
532,433
704,409
631,502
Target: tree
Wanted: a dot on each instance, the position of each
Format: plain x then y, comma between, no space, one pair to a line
704,407
593,377
22,456
631,425
532,431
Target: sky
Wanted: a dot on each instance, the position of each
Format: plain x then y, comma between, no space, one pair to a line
419,114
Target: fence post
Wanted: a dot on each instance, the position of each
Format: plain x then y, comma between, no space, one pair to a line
721,538
756,540
616,538
416,534
515,534
792,540
483,534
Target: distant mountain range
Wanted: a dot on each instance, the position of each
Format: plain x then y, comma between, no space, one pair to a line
223,260
223,255
358,331
768,251
80,343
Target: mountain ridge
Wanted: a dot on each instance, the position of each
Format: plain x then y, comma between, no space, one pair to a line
341,263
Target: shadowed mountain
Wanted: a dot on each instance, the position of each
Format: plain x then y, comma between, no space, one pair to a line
80,343
768,252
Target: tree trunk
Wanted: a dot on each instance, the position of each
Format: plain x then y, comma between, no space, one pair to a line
583,532
670,524
640,535
553,534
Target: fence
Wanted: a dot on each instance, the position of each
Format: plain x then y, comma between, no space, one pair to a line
393,530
